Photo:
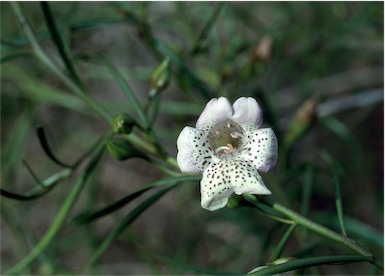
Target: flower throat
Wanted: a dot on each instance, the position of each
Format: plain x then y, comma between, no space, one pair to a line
225,136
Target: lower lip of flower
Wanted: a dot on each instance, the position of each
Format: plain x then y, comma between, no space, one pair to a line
225,137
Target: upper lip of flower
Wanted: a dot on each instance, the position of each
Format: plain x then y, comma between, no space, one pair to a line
229,136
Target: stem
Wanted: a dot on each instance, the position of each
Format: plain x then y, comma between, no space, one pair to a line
282,243
59,220
317,228
40,54
141,143
349,243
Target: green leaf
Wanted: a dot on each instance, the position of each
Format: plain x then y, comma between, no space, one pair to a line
125,88
91,216
184,71
15,55
51,24
60,217
307,189
33,89
282,243
357,229
44,144
127,220
201,40
308,262
13,149
265,208
43,188
334,170
187,267
19,197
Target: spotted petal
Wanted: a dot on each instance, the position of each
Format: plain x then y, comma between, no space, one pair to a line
216,110
223,178
262,149
246,179
247,112
216,186
194,152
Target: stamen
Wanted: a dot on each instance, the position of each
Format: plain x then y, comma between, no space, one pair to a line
226,149
230,149
221,148
236,135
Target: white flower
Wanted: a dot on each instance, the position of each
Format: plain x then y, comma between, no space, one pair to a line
230,149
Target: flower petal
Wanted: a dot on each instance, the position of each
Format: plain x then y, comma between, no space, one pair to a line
216,110
216,186
262,149
194,152
247,112
224,177
246,179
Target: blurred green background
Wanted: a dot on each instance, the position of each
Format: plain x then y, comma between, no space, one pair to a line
284,54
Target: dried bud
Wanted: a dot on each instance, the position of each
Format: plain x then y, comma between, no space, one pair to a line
303,120
123,124
160,78
262,51
306,114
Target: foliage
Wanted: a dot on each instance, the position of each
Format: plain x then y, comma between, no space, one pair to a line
94,95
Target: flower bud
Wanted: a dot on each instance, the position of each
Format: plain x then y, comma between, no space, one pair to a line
123,124
160,77
263,50
122,149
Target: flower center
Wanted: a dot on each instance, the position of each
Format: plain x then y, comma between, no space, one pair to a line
225,136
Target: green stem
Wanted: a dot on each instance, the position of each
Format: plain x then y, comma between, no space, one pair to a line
172,161
282,243
317,228
59,220
40,54
124,223
141,143
320,229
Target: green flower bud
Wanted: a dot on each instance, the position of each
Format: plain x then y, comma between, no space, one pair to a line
123,124
160,77
122,149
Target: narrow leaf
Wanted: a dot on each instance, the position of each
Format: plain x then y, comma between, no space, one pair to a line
334,169
60,217
19,197
184,71
340,212
282,243
43,188
207,28
89,217
15,55
308,262
51,24
126,89
44,143
307,189
127,220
